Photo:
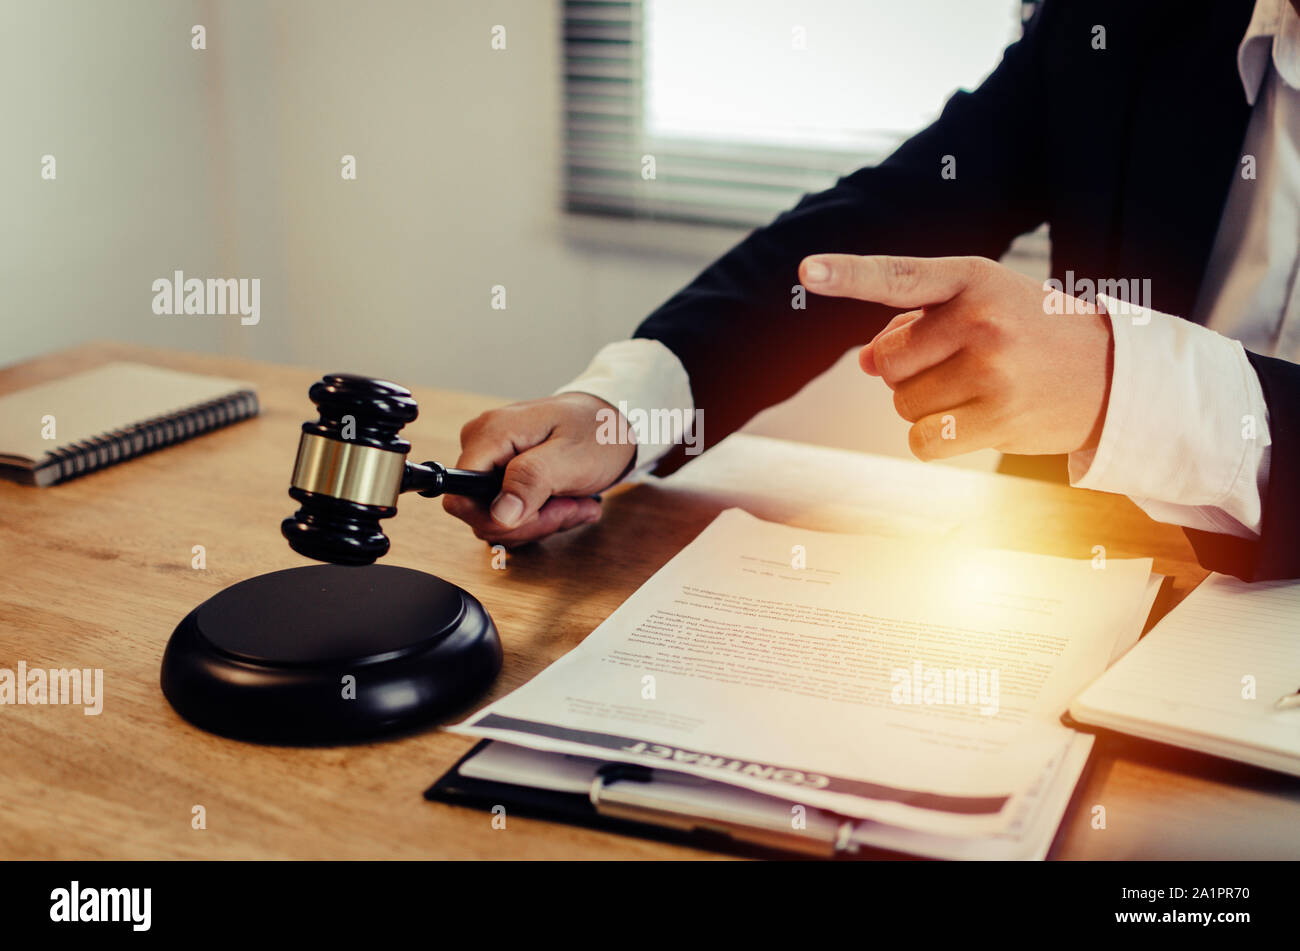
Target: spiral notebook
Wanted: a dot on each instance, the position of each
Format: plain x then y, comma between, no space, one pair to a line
68,427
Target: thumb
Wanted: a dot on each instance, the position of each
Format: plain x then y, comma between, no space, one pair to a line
531,478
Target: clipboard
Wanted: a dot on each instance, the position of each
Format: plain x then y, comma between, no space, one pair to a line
605,812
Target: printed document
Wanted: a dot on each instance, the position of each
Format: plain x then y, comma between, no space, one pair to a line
906,682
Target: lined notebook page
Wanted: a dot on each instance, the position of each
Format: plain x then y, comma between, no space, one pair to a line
1185,680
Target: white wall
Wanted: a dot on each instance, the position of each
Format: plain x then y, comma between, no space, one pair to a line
225,162
120,102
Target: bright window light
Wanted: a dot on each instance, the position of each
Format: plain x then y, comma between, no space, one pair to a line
857,75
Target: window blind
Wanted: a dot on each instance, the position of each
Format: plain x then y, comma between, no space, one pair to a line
614,166
609,158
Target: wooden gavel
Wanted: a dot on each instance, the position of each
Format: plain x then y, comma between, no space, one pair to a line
352,466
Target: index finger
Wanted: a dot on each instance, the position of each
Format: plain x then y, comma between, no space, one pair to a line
886,278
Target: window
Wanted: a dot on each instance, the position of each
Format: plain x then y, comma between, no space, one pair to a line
727,111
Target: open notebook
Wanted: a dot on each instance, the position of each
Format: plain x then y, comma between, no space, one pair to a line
1208,675
65,428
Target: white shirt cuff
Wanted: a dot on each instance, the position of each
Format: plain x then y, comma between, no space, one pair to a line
649,387
1186,431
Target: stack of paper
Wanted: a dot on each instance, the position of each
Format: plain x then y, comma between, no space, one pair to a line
901,694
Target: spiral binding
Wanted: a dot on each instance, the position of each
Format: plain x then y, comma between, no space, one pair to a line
87,455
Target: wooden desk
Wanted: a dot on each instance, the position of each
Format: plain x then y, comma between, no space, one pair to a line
96,573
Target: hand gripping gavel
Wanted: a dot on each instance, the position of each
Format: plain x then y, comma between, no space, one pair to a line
352,466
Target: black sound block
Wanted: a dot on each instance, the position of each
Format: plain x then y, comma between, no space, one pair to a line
330,654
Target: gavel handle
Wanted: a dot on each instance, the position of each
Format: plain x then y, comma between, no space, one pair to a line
432,479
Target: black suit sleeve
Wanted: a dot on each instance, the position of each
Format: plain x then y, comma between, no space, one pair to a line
1276,553
742,343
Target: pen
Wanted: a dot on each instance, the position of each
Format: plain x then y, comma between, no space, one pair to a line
1290,701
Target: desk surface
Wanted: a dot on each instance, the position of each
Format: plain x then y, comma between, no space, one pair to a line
96,573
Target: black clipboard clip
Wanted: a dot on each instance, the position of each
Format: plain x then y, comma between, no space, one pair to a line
839,845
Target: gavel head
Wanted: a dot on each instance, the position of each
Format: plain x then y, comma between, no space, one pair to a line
349,469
